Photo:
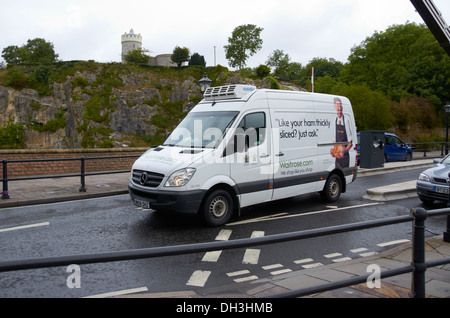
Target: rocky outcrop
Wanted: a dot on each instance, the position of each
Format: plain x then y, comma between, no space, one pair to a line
94,115
105,107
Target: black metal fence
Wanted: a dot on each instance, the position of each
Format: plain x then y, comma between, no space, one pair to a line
417,268
425,148
82,174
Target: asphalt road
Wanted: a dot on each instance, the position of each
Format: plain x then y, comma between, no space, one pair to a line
114,223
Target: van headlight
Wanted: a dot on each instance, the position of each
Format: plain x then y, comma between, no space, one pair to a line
424,177
180,177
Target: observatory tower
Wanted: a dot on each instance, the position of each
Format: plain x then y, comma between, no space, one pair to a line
130,41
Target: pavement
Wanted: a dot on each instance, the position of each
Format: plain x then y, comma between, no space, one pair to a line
50,190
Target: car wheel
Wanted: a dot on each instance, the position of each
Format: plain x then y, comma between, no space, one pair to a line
332,189
408,157
218,208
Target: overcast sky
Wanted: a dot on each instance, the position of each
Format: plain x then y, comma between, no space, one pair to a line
303,29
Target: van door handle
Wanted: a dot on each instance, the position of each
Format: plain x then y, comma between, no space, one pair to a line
280,154
264,155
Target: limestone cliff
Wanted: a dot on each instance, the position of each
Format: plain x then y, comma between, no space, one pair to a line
105,106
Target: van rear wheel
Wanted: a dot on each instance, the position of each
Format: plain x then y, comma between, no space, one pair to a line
332,189
218,208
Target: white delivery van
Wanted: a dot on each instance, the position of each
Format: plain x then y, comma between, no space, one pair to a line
242,146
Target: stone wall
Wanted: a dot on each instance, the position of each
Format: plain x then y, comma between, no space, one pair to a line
16,169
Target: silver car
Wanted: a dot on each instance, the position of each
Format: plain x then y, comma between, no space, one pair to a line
432,183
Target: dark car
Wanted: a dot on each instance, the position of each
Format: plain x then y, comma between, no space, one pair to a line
432,183
394,149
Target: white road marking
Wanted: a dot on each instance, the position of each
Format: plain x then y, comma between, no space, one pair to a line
251,256
242,279
257,234
198,278
368,254
359,250
342,259
118,293
224,235
332,255
267,267
312,265
302,261
238,273
281,271
24,227
245,279
393,243
213,256
286,215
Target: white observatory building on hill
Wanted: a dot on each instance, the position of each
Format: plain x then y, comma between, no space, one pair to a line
132,41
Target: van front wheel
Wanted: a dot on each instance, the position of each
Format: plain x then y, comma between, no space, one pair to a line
332,189
218,208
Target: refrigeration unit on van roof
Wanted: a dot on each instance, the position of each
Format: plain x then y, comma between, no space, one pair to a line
228,92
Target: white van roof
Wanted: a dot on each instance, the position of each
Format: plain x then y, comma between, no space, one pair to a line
228,92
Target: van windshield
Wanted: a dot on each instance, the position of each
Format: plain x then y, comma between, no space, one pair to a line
201,129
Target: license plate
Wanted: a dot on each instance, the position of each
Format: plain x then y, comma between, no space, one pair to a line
441,190
142,204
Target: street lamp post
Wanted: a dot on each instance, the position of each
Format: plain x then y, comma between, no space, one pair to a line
447,111
205,82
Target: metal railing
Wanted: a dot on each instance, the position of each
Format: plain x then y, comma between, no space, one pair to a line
418,264
427,147
82,174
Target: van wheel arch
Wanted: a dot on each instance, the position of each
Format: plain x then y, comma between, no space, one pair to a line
225,192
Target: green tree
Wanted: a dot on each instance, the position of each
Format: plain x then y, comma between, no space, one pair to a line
13,54
284,69
322,67
244,42
262,71
372,110
180,55
40,51
404,60
137,56
35,51
197,59
280,62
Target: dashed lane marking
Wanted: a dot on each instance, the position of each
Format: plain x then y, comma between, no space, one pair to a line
332,255
268,267
198,278
304,260
342,259
281,271
213,256
238,273
242,279
251,255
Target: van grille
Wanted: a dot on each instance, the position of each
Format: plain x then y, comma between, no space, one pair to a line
147,178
